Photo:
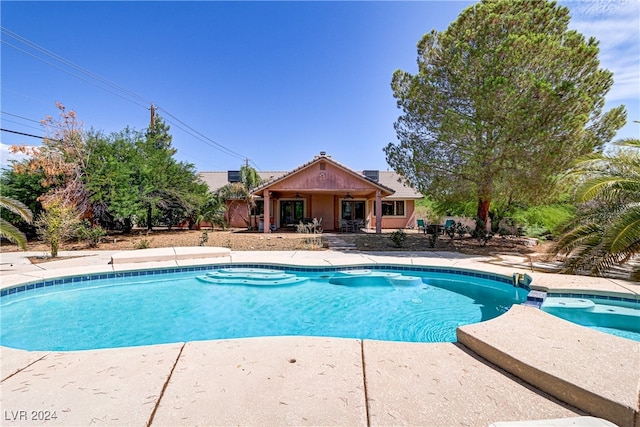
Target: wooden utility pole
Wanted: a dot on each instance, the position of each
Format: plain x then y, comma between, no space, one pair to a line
153,118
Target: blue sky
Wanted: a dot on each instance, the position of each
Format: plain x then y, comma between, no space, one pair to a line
275,82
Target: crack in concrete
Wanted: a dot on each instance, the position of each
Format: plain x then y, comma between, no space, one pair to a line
164,387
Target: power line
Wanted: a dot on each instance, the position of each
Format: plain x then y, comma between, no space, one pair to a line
40,122
70,73
29,135
136,98
71,64
20,117
215,144
21,124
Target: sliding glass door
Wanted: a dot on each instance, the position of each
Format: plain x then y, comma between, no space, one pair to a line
353,209
291,212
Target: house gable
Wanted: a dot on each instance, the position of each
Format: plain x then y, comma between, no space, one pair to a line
324,174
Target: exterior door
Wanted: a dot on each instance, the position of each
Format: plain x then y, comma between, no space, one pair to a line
353,209
291,212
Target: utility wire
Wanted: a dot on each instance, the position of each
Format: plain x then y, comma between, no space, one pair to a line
20,117
29,135
72,65
21,124
215,144
70,73
176,121
40,122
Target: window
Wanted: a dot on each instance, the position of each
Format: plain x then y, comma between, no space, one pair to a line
392,208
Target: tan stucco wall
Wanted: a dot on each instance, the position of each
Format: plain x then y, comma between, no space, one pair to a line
408,220
322,207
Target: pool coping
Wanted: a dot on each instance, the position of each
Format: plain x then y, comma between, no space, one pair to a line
484,335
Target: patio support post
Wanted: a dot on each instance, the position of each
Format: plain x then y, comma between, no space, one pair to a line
267,212
378,212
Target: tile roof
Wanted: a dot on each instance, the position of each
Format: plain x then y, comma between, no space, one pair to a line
387,180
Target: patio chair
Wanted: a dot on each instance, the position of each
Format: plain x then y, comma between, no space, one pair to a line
447,225
360,224
422,226
344,225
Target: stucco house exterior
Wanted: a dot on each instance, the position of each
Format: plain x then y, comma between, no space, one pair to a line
324,189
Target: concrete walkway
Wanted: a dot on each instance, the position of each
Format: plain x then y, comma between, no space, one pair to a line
570,371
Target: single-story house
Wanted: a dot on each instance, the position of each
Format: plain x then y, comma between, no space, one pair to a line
324,189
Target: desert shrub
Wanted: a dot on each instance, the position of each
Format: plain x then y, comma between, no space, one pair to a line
142,244
433,239
462,230
314,228
481,233
458,229
91,234
57,224
398,238
310,227
204,238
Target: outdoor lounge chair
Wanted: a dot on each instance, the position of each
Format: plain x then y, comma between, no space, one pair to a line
422,226
448,224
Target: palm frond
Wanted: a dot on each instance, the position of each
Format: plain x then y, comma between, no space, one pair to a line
606,229
9,231
17,207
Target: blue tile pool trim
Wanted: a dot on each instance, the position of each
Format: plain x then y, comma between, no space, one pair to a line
139,273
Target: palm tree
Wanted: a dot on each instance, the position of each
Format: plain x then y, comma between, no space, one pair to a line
213,210
10,231
606,229
249,179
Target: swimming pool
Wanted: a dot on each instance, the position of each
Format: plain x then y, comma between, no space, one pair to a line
612,315
154,307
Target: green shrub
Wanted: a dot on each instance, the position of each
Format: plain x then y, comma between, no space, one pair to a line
481,233
204,238
398,238
57,224
142,244
543,220
433,239
91,234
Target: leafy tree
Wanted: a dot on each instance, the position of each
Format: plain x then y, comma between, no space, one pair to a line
7,229
171,187
61,161
503,101
606,229
111,171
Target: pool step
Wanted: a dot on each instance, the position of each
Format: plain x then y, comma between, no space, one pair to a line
574,303
251,277
372,278
586,312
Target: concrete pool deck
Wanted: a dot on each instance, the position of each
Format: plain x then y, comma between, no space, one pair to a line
524,365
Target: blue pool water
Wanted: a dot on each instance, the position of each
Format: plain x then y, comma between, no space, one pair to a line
609,316
189,306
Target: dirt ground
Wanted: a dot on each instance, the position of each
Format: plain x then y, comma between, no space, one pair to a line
242,240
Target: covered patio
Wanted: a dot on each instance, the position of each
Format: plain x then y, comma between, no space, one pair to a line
326,190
